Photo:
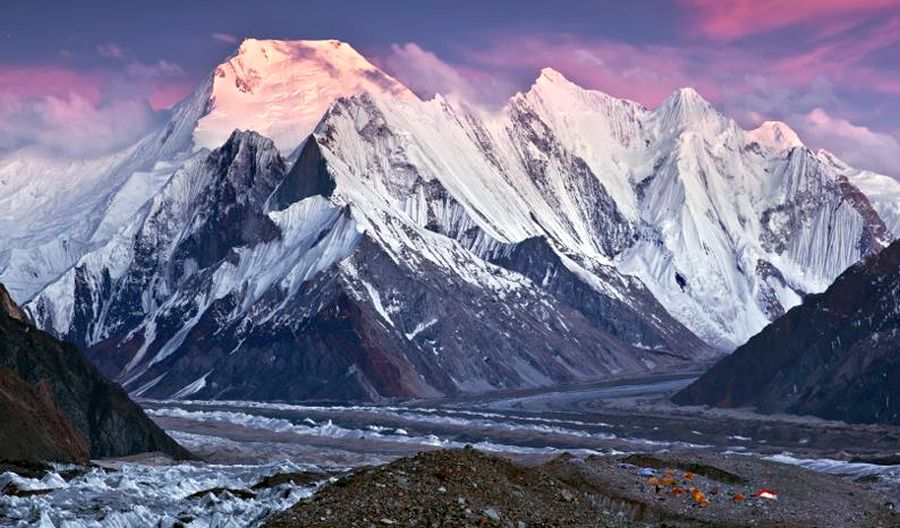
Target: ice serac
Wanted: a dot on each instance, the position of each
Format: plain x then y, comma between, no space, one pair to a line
834,356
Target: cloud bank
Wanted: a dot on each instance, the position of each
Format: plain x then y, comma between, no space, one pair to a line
63,111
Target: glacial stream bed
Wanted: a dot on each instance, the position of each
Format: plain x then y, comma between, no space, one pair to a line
240,444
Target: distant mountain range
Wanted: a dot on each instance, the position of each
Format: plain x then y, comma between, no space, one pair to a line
352,241
836,356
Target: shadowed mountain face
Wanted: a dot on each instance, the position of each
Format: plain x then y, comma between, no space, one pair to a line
34,428
835,356
56,406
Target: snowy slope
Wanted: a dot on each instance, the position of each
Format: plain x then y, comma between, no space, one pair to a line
883,191
412,247
53,210
726,232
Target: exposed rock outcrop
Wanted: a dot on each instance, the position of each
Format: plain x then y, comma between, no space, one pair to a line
59,407
835,356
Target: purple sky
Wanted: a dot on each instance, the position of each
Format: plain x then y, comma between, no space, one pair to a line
109,70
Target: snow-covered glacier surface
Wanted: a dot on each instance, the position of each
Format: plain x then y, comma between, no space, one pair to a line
243,442
140,495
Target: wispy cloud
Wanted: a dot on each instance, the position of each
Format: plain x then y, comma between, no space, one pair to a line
856,144
643,73
37,81
110,50
735,19
67,111
72,125
848,59
426,74
225,38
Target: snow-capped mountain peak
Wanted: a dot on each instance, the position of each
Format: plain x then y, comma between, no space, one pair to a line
549,75
556,89
282,88
776,136
688,98
686,109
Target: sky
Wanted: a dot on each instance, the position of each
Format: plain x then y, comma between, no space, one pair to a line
85,78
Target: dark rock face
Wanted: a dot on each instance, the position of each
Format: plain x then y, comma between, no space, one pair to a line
308,177
229,212
535,259
834,356
9,307
876,231
770,277
34,428
71,393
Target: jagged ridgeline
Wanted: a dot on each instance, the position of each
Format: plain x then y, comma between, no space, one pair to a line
362,243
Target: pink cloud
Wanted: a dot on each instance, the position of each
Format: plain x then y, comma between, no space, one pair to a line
166,95
846,59
734,19
67,112
36,81
647,73
72,125
426,74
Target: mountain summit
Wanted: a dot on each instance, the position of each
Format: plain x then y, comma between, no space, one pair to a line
282,88
776,136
